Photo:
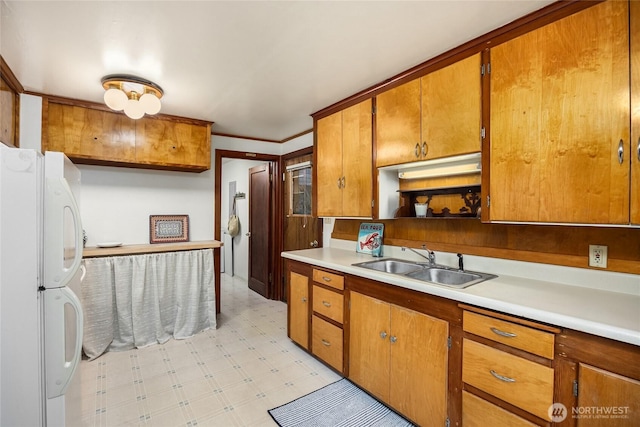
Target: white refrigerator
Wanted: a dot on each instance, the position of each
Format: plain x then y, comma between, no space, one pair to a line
40,315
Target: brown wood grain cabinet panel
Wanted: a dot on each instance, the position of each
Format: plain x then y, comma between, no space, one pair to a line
531,387
171,143
606,399
328,303
635,111
327,342
522,337
369,351
477,412
419,357
8,114
83,133
328,166
559,108
357,163
451,107
299,308
94,136
398,121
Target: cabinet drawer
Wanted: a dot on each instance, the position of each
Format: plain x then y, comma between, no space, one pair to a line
327,342
328,303
329,279
511,334
521,382
476,412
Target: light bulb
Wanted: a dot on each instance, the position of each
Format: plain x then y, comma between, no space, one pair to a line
134,109
115,99
150,103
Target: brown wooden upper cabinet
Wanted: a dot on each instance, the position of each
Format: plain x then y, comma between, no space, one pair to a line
560,138
635,111
344,163
95,136
437,115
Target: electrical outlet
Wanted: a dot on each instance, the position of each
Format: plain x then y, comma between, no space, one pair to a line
598,256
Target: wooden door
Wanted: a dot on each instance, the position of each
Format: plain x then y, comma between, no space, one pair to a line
603,391
260,216
559,109
299,309
369,353
84,133
329,165
357,162
635,111
419,355
301,229
398,138
451,107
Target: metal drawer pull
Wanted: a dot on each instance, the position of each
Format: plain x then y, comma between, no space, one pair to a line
339,182
327,343
417,150
383,335
304,299
638,148
326,303
425,149
621,152
343,182
503,333
393,338
326,279
502,378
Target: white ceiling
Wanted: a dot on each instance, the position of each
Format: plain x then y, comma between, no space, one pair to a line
256,69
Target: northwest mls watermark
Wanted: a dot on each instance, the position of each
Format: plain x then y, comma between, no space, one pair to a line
558,412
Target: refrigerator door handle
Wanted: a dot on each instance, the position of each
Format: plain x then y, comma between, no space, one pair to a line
59,370
58,198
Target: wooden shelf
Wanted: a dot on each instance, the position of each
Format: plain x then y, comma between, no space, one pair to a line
93,251
470,194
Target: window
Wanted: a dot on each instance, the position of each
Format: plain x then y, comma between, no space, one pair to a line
299,177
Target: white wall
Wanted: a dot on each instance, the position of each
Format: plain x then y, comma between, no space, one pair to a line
237,170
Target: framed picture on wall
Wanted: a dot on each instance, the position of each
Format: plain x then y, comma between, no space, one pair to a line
168,228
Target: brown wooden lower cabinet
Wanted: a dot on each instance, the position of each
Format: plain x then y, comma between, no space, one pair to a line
400,356
435,360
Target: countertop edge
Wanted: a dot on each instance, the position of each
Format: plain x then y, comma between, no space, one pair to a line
94,251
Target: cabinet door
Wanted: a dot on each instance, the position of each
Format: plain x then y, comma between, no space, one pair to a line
601,392
299,309
559,109
84,133
635,111
329,165
163,142
451,109
398,125
357,160
419,355
369,352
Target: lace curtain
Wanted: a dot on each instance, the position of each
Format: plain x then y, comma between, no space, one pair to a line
139,300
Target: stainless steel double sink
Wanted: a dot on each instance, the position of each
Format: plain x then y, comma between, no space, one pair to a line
437,274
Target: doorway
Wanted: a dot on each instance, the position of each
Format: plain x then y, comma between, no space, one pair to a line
273,226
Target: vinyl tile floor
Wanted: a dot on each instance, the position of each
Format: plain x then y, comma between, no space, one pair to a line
229,376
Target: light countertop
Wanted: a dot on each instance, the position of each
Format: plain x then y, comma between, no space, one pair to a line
600,303
94,251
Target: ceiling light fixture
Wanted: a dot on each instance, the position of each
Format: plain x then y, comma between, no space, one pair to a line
135,95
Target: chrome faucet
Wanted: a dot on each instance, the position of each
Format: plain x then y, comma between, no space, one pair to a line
431,255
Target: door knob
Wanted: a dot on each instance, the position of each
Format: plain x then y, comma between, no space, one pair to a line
314,244
248,234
